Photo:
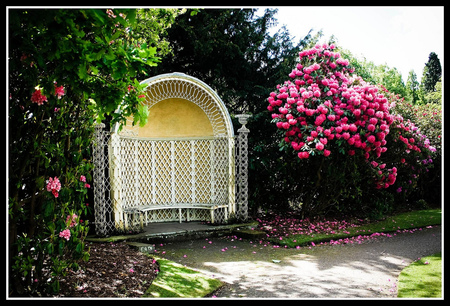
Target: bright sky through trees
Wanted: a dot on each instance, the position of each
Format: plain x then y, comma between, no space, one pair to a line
401,37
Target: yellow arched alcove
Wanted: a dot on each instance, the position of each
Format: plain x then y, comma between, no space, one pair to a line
176,117
180,164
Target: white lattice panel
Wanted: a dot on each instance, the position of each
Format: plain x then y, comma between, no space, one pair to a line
168,172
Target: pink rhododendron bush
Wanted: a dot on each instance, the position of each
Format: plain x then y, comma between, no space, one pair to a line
349,144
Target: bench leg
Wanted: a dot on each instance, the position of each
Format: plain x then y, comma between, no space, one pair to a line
226,214
179,213
212,215
125,220
141,217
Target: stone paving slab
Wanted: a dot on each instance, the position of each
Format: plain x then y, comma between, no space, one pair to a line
175,231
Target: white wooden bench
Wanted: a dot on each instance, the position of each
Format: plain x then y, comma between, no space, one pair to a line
143,209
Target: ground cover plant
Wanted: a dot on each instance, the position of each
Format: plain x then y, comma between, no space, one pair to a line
422,278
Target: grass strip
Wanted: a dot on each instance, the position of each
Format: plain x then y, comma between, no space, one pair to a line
176,281
408,220
422,278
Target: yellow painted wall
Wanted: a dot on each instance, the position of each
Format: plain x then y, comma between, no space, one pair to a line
176,117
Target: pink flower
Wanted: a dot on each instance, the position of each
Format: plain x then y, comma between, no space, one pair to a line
131,270
65,234
87,185
326,152
38,97
371,139
53,186
82,178
320,119
319,146
59,91
303,155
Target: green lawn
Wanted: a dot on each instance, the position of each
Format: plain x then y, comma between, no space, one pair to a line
408,220
422,278
175,281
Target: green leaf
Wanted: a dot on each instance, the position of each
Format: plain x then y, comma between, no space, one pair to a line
50,248
82,71
143,115
110,55
79,247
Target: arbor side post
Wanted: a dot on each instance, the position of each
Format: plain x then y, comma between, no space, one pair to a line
242,169
98,151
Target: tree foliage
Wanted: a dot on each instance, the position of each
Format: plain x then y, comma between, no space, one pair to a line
412,87
233,51
431,73
67,69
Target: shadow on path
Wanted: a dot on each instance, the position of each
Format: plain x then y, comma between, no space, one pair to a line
255,269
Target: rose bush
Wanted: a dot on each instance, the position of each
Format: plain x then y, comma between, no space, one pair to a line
325,113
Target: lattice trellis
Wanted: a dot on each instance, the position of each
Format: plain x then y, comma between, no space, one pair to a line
170,172
140,180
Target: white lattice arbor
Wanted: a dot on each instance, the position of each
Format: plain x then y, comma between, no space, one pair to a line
179,167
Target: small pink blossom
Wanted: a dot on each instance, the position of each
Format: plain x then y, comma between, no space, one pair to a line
65,234
59,91
38,98
53,186
83,179
319,146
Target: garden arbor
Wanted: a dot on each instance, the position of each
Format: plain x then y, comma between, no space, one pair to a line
179,167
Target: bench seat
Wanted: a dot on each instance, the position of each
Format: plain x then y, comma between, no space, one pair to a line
142,209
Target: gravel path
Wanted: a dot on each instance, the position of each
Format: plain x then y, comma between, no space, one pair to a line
252,270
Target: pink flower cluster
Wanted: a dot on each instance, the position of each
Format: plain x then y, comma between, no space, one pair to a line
65,234
416,139
39,98
53,186
59,91
323,105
